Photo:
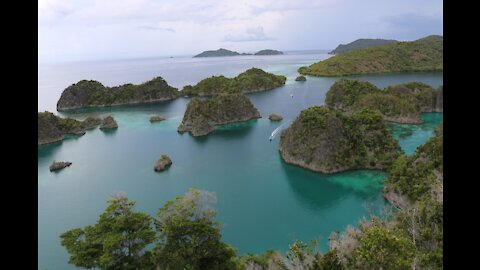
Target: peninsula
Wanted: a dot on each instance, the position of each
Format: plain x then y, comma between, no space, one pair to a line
361,44
424,54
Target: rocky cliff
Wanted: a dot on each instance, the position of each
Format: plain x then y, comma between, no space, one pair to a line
52,128
202,115
88,94
329,141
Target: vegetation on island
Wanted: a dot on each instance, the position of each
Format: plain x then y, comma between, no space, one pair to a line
424,54
251,80
163,163
202,115
301,78
88,94
217,53
268,52
52,128
361,44
402,103
328,140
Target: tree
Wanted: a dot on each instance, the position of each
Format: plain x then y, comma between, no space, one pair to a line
117,241
189,238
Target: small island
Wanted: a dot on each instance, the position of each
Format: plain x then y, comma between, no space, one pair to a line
162,164
202,115
275,117
156,118
52,128
301,78
108,123
329,141
217,53
361,44
422,55
93,94
59,165
251,80
268,52
401,103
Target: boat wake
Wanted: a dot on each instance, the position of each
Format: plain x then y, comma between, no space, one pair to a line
275,131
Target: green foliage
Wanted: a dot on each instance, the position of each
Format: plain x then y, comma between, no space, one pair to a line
189,237
425,54
252,80
117,241
413,176
216,53
360,44
345,93
331,139
382,248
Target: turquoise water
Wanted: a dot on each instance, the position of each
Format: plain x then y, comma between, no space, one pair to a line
263,203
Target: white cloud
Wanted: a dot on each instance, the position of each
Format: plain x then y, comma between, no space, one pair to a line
251,34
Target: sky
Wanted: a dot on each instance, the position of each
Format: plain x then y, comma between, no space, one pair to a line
84,30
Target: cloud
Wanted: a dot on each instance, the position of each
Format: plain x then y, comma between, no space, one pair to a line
408,25
156,28
251,34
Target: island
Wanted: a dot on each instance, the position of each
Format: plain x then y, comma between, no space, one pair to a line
108,123
275,117
361,44
217,53
251,80
401,103
52,128
422,55
93,94
156,118
162,164
202,115
327,140
268,52
301,78
55,166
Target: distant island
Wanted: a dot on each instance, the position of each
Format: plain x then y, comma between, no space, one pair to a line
91,94
202,115
361,44
327,140
224,52
268,52
424,54
251,80
402,103
52,128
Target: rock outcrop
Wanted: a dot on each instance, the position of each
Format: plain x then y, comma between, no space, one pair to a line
52,128
91,122
301,78
162,164
329,141
201,116
55,166
275,117
91,94
156,118
108,123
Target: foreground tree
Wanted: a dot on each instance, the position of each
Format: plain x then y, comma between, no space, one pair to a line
117,241
189,238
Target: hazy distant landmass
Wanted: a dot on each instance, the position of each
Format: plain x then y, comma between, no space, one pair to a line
425,54
361,44
217,53
224,52
268,52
